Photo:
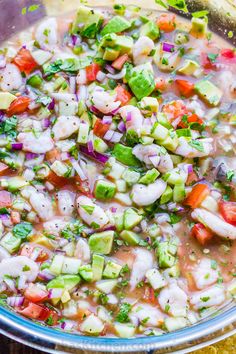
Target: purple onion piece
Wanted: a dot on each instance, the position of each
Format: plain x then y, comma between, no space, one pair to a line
115,111
94,110
122,127
168,47
46,123
107,119
110,69
15,301
95,155
17,146
129,117
51,105
31,155
90,146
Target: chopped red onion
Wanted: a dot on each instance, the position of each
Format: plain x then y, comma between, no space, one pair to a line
61,252
95,155
31,155
72,81
46,123
73,39
107,119
46,275
6,220
161,218
168,47
108,135
78,169
67,325
113,209
90,146
17,146
21,282
122,127
55,293
51,105
110,69
100,76
116,137
129,117
115,111
15,301
94,110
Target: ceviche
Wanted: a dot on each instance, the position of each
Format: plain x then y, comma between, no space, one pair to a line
117,172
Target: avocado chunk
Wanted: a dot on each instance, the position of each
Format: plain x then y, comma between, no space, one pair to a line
167,195
130,237
149,177
10,242
159,132
86,272
16,183
125,155
97,266
131,219
6,99
87,22
115,25
35,81
166,255
67,282
116,44
208,92
179,193
112,270
142,83
151,30
101,242
111,54
104,190
189,67
125,43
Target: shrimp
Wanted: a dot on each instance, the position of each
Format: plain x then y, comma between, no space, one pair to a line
151,315
104,101
4,253
46,34
90,212
143,261
19,266
215,295
11,78
82,251
141,50
55,226
65,126
204,275
215,223
42,205
154,155
204,147
66,202
36,144
175,299
145,195
133,118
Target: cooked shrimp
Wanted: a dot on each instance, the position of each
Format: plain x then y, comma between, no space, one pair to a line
42,205
143,261
55,226
151,315
215,295
204,147
204,274
46,34
104,101
15,267
37,144
90,212
82,251
66,202
174,299
132,117
141,50
145,195
65,126
11,78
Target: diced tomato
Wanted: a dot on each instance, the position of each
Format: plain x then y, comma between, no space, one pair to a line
175,109
123,95
119,62
228,53
206,62
92,71
25,61
5,199
228,211
100,128
166,22
193,118
199,192
56,180
49,316
201,233
3,168
15,217
18,106
192,178
149,295
32,311
83,187
185,87
160,84
35,294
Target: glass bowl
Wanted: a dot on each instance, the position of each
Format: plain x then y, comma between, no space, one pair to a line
222,19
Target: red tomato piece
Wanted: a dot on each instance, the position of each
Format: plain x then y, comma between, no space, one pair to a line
192,178
175,109
199,192
119,62
100,128
228,53
228,211
123,95
48,315
92,71
56,180
160,84
166,22
3,168
206,62
25,61
18,106
185,87
32,311
201,233
35,294
5,199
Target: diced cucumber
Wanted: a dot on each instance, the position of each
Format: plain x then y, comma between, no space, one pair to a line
70,265
131,219
125,155
112,270
59,168
92,325
106,286
67,282
130,237
57,264
232,288
101,242
155,278
149,104
149,177
121,185
179,193
165,258
117,24
83,133
10,242
123,198
97,266
16,183
119,221
159,132
104,190
99,145
86,272
209,92
167,195
125,330
131,177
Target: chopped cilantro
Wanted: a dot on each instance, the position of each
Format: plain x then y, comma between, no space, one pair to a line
230,175
213,264
200,14
122,315
8,127
167,308
88,208
174,219
177,4
25,268
205,298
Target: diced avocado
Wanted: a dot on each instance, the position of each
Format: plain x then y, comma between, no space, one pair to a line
101,242
155,278
92,325
57,263
43,113
159,132
112,270
87,22
6,98
142,83
121,185
125,330
16,183
119,221
149,104
130,237
125,43
167,195
111,54
198,27
97,266
34,81
106,286
86,272
151,30
104,190
189,67
125,155
67,282
209,92
10,242
123,198
173,177
41,56
179,193
131,177
109,40
114,169
131,219
115,25
165,258
70,265
171,142
149,177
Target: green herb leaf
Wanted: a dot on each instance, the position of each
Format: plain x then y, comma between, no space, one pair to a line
122,315
177,4
212,57
22,230
229,175
174,219
8,127
197,145
199,14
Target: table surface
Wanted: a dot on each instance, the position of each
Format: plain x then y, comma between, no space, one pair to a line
9,346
